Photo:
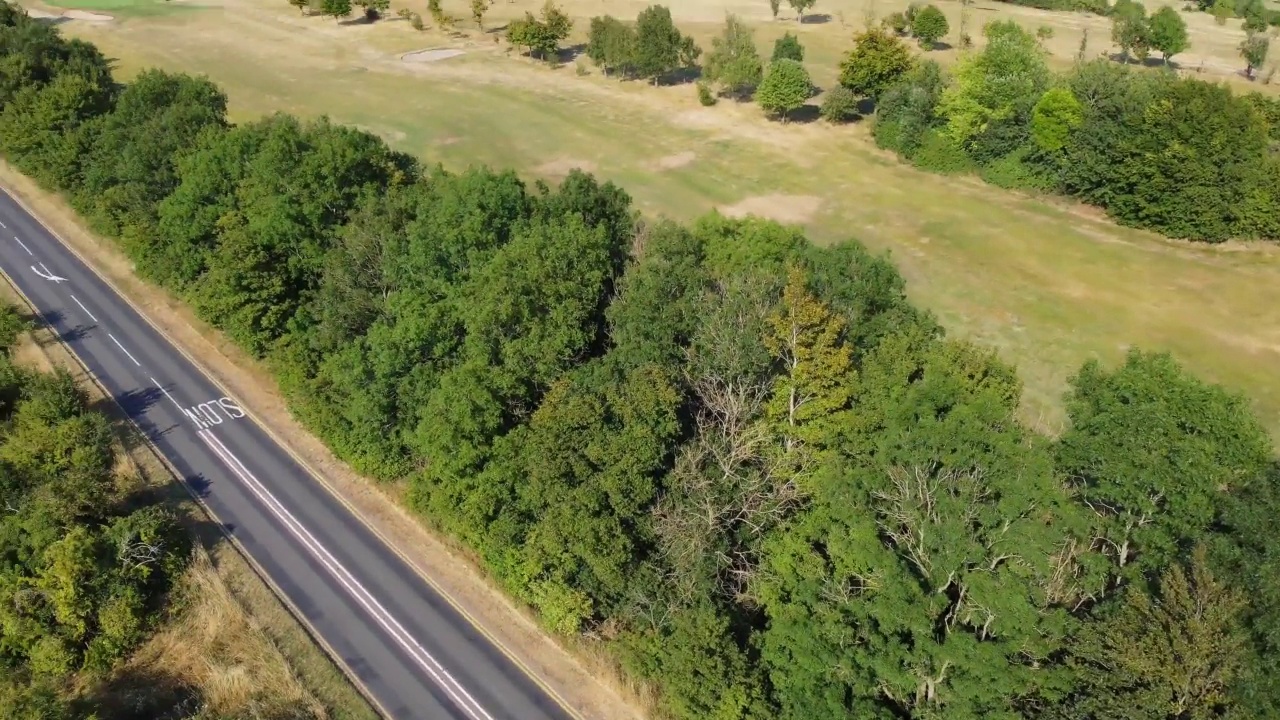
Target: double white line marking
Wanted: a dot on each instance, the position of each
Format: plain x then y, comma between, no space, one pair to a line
393,628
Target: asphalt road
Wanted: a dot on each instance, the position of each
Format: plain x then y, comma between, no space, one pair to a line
412,652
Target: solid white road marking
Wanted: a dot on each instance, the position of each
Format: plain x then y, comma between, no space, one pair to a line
2,225
123,350
397,632
166,394
85,309
24,245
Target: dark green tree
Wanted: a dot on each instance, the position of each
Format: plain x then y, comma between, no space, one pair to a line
660,47
1152,452
335,8
787,47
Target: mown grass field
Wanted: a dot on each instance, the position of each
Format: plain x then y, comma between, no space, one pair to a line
1046,283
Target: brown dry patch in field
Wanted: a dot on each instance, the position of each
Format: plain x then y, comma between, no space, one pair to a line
431,55
581,679
788,209
673,162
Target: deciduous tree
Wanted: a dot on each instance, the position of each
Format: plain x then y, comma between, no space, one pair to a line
929,26
876,61
787,47
542,35
1168,32
335,8
1254,49
786,87
734,63
801,7
661,49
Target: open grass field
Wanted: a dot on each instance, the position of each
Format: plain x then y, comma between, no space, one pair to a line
1048,284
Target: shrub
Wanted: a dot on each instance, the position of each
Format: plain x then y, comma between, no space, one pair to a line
940,154
840,105
705,95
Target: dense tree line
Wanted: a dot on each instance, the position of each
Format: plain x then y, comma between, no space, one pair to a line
85,565
1180,156
745,463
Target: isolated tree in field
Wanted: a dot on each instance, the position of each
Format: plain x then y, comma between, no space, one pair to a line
660,47
839,105
785,88
1254,49
374,9
541,35
478,9
787,47
302,5
1053,118
876,61
929,26
801,7
1129,29
335,8
1168,32
774,7
734,63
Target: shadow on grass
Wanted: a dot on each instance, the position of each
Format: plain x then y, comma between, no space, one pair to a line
815,19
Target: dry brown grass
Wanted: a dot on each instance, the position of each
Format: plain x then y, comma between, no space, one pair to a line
214,647
232,649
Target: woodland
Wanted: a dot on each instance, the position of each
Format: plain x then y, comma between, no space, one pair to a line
87,561
742,464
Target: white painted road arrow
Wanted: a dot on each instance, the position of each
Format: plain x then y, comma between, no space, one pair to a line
46,274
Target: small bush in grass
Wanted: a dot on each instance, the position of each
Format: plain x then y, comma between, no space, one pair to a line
705,96
839,106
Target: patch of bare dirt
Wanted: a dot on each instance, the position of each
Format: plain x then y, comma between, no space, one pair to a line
586,679
673,162
563,166
431,55
82,15
787,209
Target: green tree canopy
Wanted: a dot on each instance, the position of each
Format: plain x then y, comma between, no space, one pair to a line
661,48
734,63
877,60
1168,32
787,47
929,26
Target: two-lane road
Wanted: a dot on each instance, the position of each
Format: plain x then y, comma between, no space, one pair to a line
414,654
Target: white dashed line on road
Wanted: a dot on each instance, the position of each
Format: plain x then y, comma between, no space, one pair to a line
85,309
123,350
